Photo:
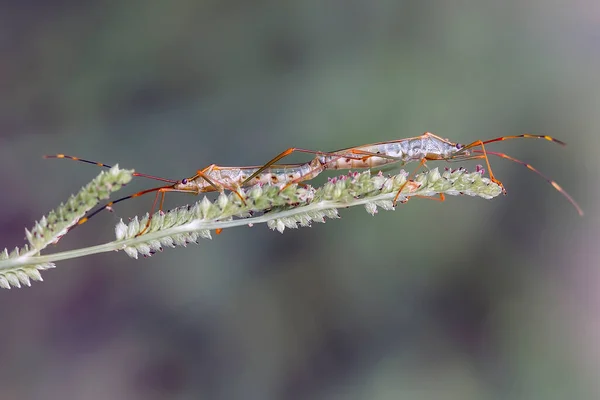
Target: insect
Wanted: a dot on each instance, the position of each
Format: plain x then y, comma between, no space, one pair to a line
423,148
213,178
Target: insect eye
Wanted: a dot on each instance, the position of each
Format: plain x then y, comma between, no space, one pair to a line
184,181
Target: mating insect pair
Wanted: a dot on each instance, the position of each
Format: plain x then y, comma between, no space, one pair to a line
423,148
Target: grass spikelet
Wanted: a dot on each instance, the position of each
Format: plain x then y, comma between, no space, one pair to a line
14,277
49,229
293,207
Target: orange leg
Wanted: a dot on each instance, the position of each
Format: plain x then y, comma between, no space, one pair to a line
408,179
439,197
484,154
554,184
277,158
480,143
162,199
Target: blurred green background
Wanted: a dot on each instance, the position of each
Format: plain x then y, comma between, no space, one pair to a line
467,299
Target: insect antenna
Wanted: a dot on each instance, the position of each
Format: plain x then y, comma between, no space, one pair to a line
460,155
554,184
479,143
108,205
526,136
99,164
161,189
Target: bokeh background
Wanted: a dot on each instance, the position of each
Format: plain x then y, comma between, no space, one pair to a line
467,299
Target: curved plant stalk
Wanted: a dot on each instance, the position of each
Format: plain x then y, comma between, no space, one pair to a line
292,207
289,208
49,229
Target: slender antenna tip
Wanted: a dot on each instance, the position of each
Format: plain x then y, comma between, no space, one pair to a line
557,141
